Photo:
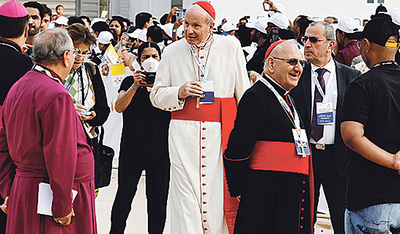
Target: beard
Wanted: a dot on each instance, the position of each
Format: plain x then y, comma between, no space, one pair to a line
33,30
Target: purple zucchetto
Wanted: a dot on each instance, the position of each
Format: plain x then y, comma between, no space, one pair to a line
13,9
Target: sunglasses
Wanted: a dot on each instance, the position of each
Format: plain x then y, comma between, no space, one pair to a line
292,61
312,39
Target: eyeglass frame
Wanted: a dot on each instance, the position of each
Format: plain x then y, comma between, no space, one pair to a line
77,53
313,39
302,62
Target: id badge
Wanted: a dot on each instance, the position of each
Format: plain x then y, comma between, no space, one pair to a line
324,113
208,88
301,142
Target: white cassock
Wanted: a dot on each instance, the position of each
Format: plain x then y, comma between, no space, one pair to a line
196,192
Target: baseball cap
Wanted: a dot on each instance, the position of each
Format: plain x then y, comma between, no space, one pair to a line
280,20
140,34
105,37
62,20
228,26
260,24
13,9
379,29
348,25
395,14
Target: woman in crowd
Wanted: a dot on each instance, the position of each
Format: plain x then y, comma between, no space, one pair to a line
85,85
144,146
117,25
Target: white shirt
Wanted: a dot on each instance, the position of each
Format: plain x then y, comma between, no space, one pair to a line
330,96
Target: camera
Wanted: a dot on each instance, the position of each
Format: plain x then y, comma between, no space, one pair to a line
275,35
150,77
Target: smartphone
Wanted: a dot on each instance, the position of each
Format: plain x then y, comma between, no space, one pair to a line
181,13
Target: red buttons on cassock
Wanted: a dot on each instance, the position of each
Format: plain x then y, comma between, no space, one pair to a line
203,138
202,48
203,147
201,57
204,175
204,193
204,128
302,209
204,212
204,202
304,182
203,156
203,165
301,218
205,229
205,221
304,191
301,227
302,200
204,184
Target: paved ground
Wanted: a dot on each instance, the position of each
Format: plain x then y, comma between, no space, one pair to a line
137,221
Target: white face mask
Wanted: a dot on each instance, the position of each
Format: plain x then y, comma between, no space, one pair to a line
150,64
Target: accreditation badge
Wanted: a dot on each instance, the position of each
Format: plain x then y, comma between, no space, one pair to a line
301,142
208,88
324,113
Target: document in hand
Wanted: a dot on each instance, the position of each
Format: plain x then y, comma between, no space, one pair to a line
45,199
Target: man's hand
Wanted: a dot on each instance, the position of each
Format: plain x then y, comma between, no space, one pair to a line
4,207
66,220
190,88
396,162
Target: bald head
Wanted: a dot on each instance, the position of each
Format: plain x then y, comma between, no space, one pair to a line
283,64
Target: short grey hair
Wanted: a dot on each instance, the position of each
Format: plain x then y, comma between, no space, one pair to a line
50,45
209,19
329,30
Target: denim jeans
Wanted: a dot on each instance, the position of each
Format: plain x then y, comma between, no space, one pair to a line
378,219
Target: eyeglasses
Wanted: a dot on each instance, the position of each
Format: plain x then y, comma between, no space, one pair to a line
155,56
292,61
312,39
80,54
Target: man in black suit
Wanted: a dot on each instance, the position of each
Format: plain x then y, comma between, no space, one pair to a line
319,98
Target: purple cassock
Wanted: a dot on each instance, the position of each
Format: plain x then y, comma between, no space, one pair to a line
42,140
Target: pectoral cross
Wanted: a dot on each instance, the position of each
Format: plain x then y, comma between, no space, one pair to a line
301,144
198,101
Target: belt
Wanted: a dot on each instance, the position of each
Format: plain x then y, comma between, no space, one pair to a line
319,146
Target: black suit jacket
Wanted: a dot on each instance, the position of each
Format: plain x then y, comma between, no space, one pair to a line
302,96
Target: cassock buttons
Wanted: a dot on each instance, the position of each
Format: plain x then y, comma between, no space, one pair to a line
205,221
301,218
204,175
204,184
204,193
203,166
202,48
301,227
204,202
304,191
201,57
204,129
204,212
203,156
203,147
302,200
203,138
304,182
205,229
302,209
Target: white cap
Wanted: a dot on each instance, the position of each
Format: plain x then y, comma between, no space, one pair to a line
95,20
228,26
62,20
167,29
140,34
348,25
105,37
280,20
395,14
260,24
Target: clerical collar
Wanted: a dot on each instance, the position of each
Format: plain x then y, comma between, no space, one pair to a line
283,90
11,44
204,44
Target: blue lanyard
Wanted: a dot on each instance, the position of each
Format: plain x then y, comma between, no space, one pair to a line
390,62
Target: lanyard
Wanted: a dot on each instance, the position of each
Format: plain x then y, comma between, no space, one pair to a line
296,122
390,62
203,69
43,70
318,85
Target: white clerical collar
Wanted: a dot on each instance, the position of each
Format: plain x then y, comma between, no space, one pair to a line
203,44
280,86
330,66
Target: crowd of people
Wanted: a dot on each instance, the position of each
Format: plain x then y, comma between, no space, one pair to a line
237,126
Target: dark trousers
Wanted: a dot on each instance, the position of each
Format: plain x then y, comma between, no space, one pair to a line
3,218
157,185
325,174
